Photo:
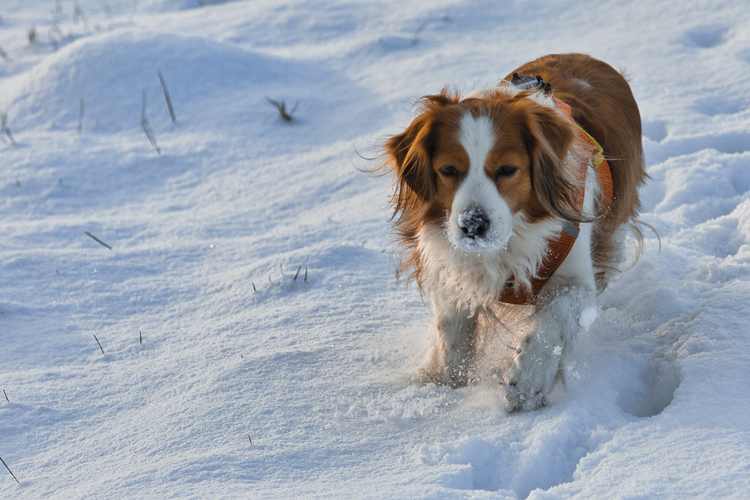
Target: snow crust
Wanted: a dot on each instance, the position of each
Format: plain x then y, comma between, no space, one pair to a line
252,257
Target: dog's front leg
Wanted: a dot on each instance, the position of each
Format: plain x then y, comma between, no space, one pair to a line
535,367
452,353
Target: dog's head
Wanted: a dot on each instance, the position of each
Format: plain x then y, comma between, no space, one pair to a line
474,164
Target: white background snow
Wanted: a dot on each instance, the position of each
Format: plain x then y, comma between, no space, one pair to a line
206,239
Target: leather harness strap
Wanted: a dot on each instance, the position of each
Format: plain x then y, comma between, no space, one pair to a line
560,246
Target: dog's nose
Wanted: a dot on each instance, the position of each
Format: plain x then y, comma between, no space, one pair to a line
474,223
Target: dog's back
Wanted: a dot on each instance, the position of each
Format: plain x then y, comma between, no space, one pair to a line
602,103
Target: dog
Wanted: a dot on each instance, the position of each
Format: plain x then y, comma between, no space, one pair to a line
521,193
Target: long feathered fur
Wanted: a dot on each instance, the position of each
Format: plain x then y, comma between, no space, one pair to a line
553,149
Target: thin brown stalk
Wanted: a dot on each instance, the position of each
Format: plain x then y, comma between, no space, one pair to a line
100,345
96,239
146,127
166,96
4,127
80,117
281,108
11,472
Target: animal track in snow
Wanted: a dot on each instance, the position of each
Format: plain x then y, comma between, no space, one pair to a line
513,465
652,392
704,37
655,130
730,142
511,468
715,105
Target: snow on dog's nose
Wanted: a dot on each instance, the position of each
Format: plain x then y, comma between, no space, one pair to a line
474,223
479,230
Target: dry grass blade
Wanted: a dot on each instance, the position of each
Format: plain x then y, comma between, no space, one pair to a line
108,11
421,28
4,127
80,117
11,472
79,14
96,239
140,337
54,41
297,273
6,396
135,8
166,96
146,127
100,345
56,29
305,275
281,108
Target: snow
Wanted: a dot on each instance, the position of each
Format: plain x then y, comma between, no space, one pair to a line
251,384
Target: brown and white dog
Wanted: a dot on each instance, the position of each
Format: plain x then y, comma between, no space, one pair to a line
487,184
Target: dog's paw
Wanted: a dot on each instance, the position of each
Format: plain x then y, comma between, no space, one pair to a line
441,376
425,376
531,376
516,400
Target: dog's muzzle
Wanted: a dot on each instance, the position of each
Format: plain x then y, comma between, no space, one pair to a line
476,230
474,224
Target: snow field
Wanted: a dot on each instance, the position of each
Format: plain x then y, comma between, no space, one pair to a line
250,383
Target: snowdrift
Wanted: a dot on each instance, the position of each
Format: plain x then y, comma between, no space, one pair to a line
251,340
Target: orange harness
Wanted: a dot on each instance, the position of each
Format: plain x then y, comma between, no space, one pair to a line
559,247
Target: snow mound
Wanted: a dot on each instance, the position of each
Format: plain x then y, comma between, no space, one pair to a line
254,341
110,71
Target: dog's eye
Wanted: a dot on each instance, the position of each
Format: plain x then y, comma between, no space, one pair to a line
506,171
449,171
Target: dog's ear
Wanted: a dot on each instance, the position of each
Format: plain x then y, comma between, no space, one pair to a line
551,141
411,155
